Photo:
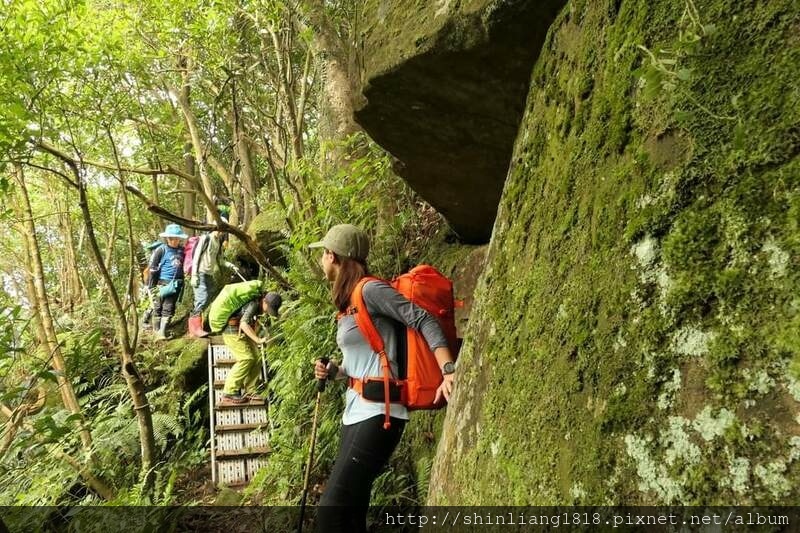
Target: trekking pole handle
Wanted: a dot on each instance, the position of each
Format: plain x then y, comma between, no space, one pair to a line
321,382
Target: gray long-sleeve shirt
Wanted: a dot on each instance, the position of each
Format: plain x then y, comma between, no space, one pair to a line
386,306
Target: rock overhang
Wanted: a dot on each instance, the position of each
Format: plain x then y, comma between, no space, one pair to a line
445,93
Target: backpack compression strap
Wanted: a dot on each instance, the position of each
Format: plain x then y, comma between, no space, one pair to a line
358,308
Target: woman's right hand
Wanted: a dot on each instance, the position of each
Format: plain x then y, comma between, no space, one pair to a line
320,370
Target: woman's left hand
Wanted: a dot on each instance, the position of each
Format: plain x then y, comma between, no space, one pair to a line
445,389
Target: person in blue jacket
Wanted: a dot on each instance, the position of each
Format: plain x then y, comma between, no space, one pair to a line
166,278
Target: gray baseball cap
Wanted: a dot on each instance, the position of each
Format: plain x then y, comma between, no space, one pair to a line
274,302
345,240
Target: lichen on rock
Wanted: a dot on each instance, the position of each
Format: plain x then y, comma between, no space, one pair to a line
646,235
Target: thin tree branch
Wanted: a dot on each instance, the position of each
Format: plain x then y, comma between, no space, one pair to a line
220,225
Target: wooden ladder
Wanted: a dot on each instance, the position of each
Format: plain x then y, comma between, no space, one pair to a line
239,433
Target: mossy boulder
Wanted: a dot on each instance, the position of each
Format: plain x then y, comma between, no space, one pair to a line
635,329
445,86
268,229
189,369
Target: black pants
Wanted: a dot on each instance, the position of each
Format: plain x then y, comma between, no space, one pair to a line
165,305
364,451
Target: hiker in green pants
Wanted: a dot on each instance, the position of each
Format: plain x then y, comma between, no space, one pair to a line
240,337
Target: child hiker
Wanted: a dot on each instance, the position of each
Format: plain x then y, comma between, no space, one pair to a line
165,283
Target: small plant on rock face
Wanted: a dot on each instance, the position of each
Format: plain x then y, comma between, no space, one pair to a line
666,73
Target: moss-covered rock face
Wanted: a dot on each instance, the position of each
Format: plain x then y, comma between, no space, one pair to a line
268,231
635,333
445,89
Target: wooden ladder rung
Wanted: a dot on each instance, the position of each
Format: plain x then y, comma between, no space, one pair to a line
252,403
241,427
243,452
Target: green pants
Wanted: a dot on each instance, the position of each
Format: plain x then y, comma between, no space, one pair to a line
247,370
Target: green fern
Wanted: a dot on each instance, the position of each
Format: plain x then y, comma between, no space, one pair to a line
116,391
424,466
163,426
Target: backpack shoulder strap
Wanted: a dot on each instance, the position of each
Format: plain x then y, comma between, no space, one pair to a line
200,246
162,251
364,322
362,317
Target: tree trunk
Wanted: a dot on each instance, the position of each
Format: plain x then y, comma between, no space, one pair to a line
133,379
73,289
112,237
190,196
247,173
340,92
194,132
76,284
36,316
42,304
342,76
136,387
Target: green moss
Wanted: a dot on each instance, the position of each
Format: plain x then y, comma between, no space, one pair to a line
267,221
188,356
690,158
446,257
423,24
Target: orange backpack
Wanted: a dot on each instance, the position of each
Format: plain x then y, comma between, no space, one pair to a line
429,289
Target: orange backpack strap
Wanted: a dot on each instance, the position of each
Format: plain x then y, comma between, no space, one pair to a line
370,332
362,317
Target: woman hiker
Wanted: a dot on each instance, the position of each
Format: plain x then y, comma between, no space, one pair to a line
241,338
166,278
366,446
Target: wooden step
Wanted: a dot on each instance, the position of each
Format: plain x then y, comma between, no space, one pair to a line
241,427
251,403
224,362
219,383
243,452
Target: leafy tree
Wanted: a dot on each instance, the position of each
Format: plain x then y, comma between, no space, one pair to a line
113,113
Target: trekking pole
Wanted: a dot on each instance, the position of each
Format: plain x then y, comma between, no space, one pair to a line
320,388
239,273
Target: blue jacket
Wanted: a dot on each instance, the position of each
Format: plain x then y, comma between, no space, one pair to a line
166,263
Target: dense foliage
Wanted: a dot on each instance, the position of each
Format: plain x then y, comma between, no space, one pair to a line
116,118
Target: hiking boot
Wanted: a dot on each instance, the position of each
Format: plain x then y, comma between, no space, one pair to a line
196,326
254,399
161,334
233,399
